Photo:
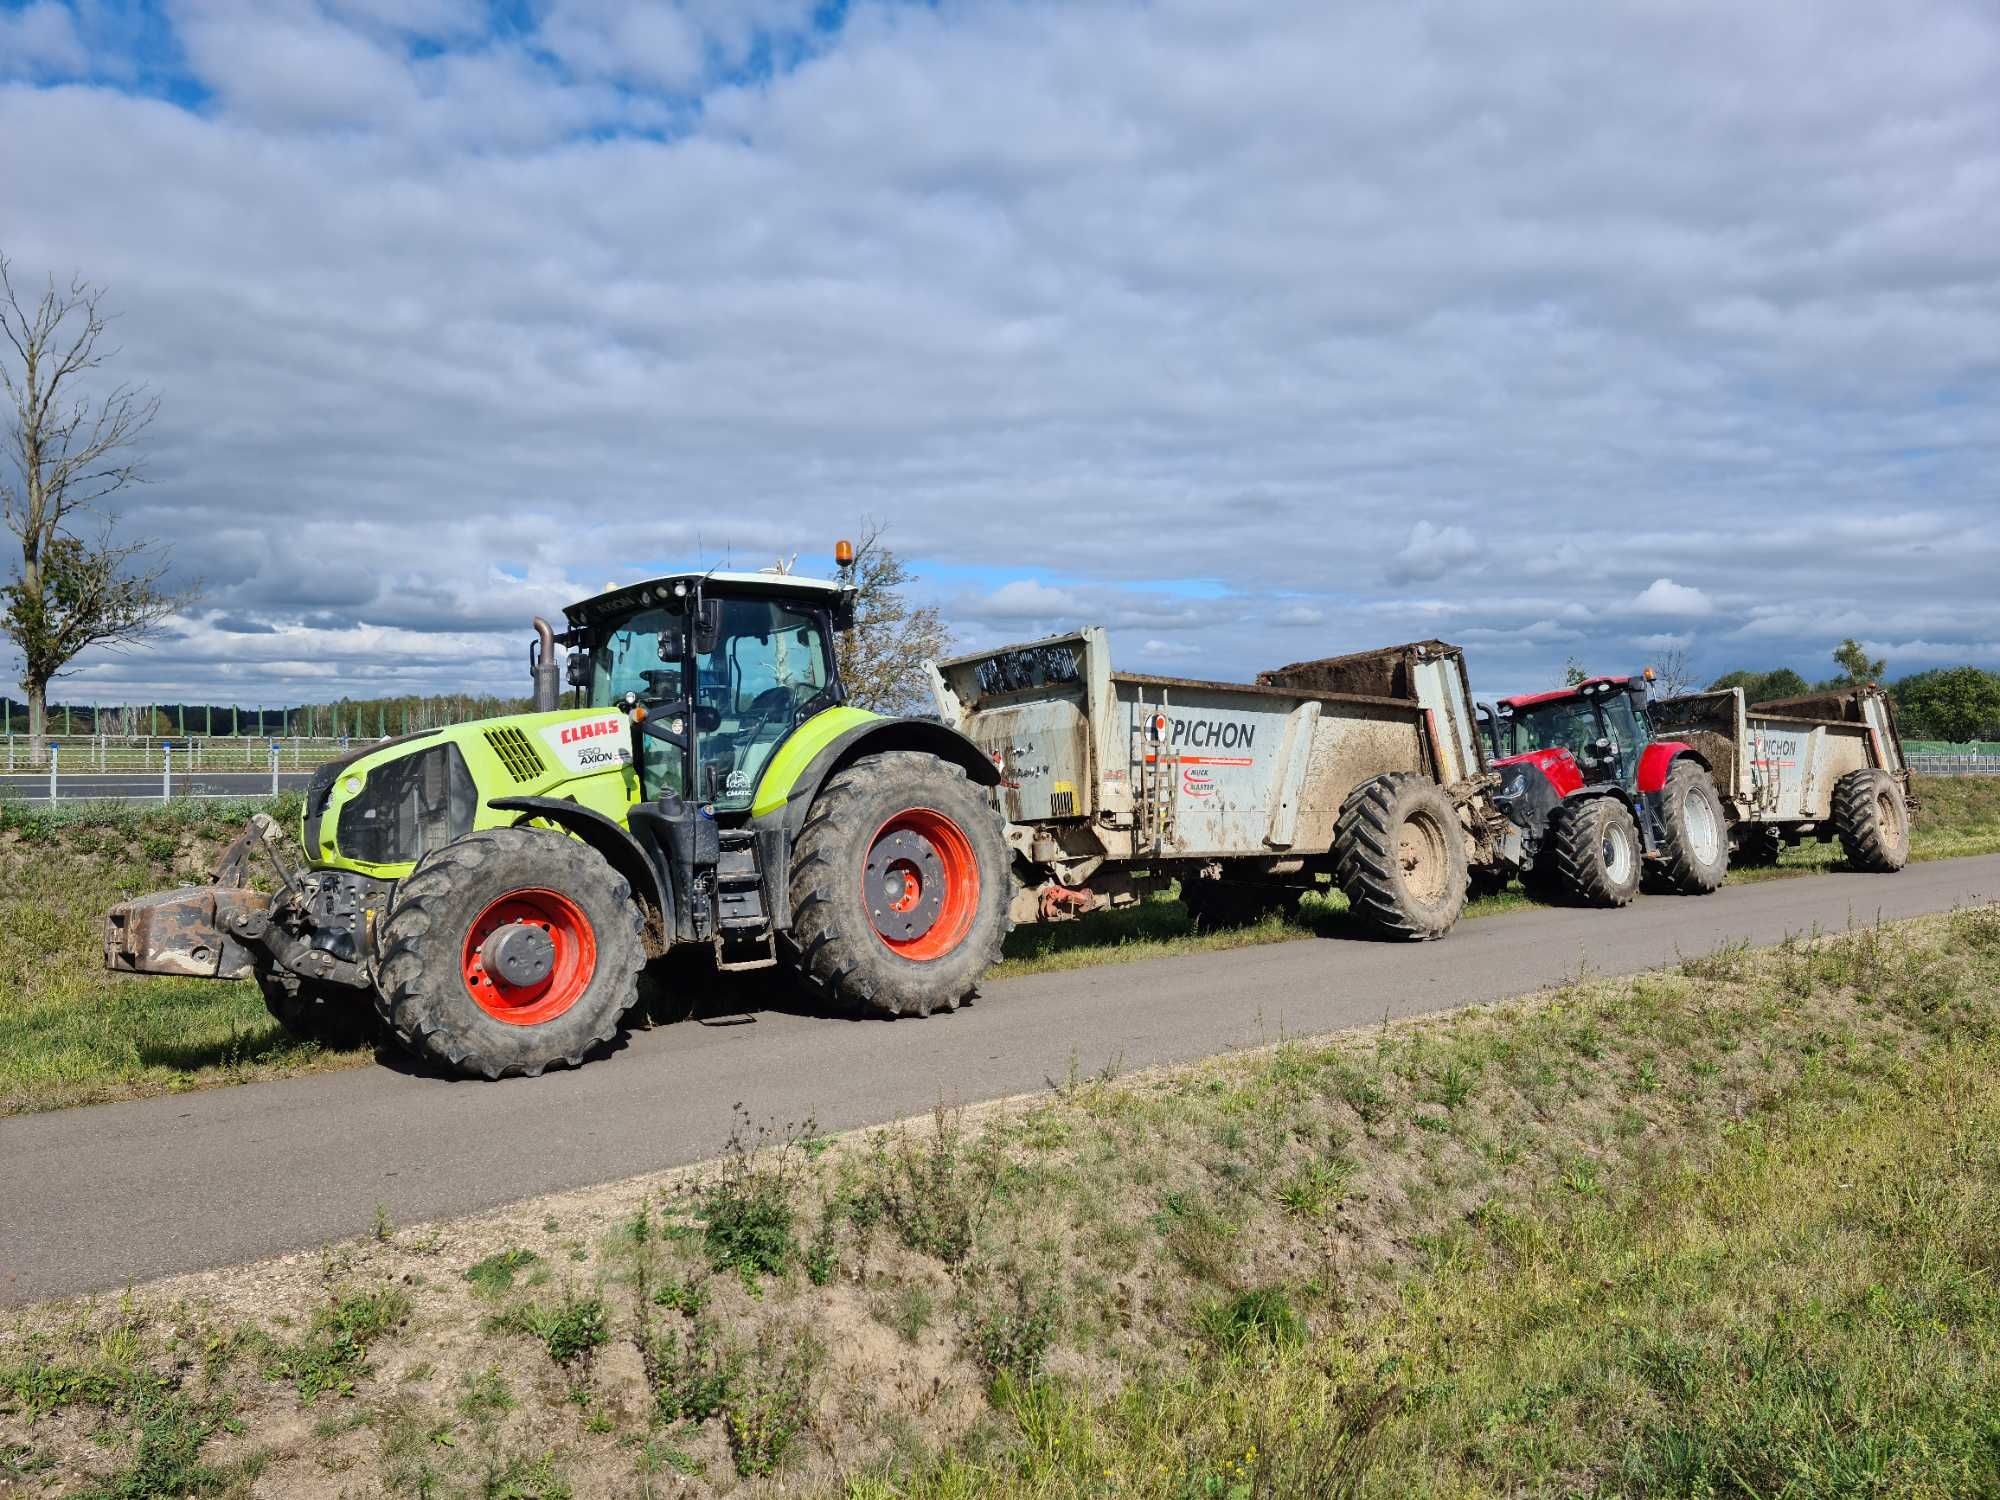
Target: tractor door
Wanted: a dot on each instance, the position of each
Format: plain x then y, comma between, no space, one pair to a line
646,654
768,667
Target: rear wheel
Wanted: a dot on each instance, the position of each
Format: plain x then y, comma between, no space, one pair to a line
1399,854
310,1011
900,885
1872,820
1694,838
1594,849
508,952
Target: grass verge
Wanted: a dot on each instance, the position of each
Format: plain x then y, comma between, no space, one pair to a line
72,1034
1727,1229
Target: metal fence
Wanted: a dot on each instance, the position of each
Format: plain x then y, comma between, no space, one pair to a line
93,767
1967,764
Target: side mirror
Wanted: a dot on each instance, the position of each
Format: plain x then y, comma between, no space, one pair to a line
707,626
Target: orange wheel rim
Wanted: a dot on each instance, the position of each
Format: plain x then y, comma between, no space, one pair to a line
571,957
920,884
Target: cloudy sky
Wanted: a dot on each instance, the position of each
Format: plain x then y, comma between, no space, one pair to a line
1254,331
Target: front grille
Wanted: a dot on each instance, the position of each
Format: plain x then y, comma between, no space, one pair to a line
408,808
520,758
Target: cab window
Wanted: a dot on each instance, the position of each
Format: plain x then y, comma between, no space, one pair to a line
770,661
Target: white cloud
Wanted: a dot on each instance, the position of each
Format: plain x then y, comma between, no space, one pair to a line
40,39
1431,552
1328,313
1665,597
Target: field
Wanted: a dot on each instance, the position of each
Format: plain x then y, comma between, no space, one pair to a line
72,1034
1729,1229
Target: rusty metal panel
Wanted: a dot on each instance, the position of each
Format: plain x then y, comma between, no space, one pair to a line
1043,751
179,932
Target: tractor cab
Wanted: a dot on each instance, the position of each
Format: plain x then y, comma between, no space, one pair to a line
714,670
1600,725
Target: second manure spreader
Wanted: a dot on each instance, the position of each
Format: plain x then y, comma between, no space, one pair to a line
491,890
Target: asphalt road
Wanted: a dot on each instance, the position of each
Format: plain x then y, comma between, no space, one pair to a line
144,786
95,1198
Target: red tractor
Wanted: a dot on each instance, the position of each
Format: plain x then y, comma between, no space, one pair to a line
1601,803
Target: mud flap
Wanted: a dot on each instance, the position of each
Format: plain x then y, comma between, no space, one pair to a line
183,932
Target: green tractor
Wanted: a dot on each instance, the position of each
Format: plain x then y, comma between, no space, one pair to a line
488,894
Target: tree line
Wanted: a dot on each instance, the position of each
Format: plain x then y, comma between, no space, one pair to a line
1944,703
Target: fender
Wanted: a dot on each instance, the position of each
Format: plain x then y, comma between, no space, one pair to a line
1658,758
870,737
620,850
1558,765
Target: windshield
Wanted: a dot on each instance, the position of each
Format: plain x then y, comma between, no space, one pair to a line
1576,725
769,661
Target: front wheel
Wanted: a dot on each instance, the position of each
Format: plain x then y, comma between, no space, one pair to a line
508,952
1594,850
900,885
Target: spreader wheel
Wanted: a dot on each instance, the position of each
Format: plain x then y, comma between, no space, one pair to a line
1399,854
900,885
509,951
1873,821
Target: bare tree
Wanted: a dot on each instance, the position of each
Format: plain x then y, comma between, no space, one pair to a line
882,657
75,586
1673,676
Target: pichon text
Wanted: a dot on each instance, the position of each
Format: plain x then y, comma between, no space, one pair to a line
1214,734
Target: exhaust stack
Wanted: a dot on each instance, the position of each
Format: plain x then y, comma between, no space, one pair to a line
542,668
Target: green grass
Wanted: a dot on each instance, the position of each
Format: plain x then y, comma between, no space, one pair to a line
72,1034
1726,1229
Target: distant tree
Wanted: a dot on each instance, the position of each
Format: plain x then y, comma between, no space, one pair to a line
1672,675
73,586
1762,687
1949,703
882,657
1856,665
1573,672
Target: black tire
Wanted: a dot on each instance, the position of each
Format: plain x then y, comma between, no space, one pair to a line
898,817
1215,904
1872,820
1594,851
1758,846
1399,854
422,988
1694,834
311,1011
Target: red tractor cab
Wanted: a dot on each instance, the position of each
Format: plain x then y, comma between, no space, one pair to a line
1602,805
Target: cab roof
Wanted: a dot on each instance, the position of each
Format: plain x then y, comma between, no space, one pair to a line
646,591
1531,700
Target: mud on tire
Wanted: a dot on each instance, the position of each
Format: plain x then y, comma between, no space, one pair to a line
1872,820
900,881
1593,852
1694,835
509,877
1399,854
